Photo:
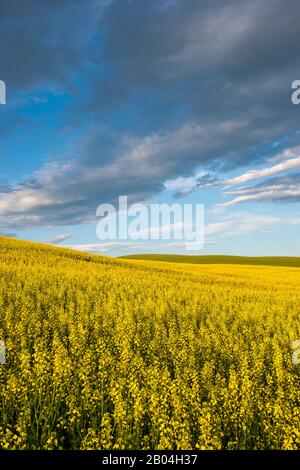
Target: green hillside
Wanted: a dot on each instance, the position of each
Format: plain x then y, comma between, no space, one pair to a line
221,259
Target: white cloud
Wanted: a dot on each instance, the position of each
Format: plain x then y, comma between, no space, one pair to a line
236,224
287,153
264,194
68,192
182,183
58,238
276,188
241,222
251,175
102,247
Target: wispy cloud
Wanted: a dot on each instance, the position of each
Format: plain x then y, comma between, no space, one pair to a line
186,185
241,222
237,224
251,175
111,248
58,239
68,192
268,194
104,247
280,182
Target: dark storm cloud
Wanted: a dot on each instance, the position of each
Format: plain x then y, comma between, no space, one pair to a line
42,43
209,60
213,76
209,45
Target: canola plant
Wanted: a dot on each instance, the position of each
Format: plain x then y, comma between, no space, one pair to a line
115,354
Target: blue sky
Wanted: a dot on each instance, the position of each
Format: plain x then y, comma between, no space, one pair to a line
164,101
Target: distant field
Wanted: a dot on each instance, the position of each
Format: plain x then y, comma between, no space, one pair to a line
292,262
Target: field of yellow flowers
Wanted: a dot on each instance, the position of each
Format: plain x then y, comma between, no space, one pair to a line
115,354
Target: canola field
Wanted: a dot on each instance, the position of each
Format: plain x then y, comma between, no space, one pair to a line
119,354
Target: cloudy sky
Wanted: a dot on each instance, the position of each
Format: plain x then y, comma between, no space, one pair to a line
182,101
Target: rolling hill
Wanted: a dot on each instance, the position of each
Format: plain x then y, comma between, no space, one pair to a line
219,259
